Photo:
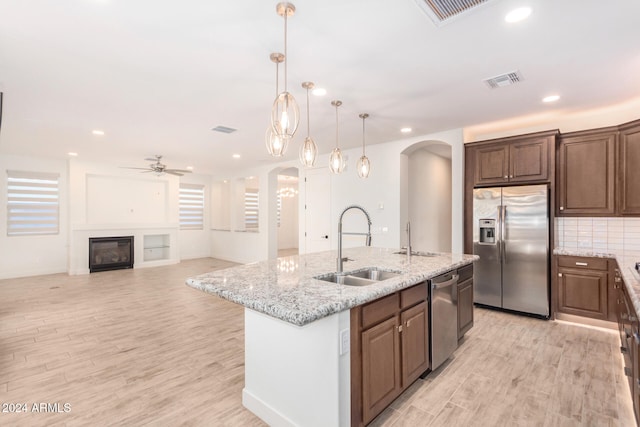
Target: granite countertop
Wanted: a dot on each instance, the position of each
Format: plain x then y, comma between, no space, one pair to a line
626,263
285,288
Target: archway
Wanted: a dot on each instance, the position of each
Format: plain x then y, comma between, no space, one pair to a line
427,198
283,212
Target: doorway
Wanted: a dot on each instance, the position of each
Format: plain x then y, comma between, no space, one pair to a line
429,196
287,201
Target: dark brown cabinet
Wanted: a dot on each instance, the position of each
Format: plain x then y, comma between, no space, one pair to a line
629,169
583,286
513,160
389,350
465,300
586,173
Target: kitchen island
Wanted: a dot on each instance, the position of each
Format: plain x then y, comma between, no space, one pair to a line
297,327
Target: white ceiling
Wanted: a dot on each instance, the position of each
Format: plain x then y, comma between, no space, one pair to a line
157,75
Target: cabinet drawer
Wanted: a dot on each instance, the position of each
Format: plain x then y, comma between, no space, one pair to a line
413,295
583,262
380,309
465,273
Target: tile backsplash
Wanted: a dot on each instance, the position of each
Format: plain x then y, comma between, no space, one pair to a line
599,234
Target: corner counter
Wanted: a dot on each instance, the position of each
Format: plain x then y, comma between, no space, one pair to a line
297,328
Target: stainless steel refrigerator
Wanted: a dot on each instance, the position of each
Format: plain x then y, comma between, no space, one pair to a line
511,237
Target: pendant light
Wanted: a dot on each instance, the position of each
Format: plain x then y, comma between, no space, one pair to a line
308,149
276,145
285,112
336,162
364,165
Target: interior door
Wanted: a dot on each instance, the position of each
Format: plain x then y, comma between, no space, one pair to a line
317,213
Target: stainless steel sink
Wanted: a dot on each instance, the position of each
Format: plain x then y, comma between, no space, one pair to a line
417,253
367,276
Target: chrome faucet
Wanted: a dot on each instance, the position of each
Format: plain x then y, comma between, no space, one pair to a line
340,260
408,241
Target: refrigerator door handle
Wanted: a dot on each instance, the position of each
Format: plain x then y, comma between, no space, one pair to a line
503,233
499,242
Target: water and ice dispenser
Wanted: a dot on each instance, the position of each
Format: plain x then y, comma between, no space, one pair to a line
488,231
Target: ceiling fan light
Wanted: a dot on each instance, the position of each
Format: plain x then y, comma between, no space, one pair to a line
336,161
285,115
308,152
363,166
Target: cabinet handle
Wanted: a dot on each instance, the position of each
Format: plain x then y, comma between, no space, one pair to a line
623,350
617,279
627,371
561,208
582,264
506,177
559,274
627,333
510,176
400,328
408,323
616,286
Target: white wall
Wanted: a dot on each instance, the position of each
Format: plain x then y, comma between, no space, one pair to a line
34,255
110,201
430,201
383,194
197,243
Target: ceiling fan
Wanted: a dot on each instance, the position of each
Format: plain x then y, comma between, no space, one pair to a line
160,168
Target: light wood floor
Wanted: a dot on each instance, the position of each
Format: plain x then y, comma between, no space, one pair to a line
138,347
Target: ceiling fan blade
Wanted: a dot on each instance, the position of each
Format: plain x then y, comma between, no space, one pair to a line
127,167
173,172
149,159
178,170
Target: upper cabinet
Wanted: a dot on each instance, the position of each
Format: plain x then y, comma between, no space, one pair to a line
513,160
629,169
586,173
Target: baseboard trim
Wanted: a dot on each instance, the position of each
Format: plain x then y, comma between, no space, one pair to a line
263,411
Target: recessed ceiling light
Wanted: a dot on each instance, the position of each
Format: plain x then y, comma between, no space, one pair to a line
72,154
98,132
517,15
551,98
406,130
319,91
236,156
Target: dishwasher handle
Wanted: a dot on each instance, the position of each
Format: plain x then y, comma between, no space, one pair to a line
446,283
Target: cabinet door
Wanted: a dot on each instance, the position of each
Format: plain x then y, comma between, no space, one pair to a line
583,292
629,170
529,160
492,164
381,382
465,307
415,342
586,174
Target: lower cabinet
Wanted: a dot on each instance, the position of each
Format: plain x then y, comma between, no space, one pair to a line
389,350
583,287
629,342
465,300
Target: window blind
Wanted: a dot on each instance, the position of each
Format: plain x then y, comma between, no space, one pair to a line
33,203
191,207
251,209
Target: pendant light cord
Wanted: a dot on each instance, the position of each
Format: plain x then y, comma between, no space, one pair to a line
337,126
363,119
286,13
308,126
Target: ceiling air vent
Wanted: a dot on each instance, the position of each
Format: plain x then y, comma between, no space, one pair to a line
506,79
442,11
223,129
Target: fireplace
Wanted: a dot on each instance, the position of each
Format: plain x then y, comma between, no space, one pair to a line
110,253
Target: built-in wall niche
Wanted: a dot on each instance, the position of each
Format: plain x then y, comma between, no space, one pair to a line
157,247
246,200
221,205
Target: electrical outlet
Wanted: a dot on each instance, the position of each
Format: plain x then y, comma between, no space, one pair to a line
345,342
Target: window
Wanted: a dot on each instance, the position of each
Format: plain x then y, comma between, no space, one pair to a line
251,209
32,203
191,207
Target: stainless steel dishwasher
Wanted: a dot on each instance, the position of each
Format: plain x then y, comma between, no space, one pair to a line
444,317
